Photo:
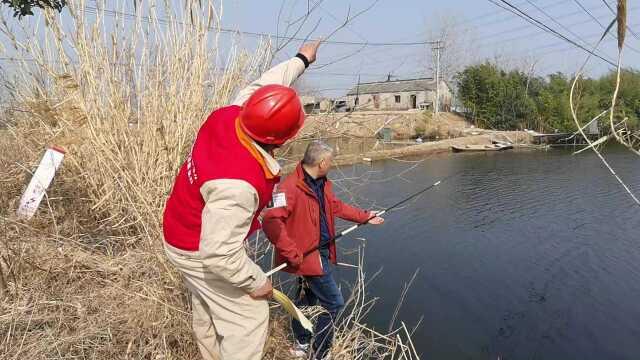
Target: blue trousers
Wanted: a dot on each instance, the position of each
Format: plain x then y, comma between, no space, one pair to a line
322,289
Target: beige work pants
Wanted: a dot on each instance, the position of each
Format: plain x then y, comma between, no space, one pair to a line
227,323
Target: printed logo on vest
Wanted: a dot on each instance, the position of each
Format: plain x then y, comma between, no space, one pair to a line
192,175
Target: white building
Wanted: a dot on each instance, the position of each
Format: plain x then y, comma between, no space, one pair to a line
398,95
315,104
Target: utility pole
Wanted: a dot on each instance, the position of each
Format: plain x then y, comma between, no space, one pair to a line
436,47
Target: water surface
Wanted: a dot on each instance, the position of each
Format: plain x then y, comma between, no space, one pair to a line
524,255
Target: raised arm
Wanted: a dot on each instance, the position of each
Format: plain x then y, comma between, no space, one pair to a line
354,214
348,212
284,73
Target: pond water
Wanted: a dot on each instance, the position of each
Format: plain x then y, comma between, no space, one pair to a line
523,255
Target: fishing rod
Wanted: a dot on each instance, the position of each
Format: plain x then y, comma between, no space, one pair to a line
350,229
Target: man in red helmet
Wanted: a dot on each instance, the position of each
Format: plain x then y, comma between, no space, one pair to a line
226,181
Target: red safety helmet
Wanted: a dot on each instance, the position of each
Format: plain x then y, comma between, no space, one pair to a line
273,114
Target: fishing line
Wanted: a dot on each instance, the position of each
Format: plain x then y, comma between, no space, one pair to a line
379,213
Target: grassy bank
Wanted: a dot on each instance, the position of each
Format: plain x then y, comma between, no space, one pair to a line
73,286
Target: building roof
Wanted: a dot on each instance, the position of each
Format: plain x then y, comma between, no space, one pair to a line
393,86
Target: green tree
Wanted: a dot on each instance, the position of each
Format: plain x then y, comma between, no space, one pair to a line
25,7
628,102
479,87
498,99
495,98
553,103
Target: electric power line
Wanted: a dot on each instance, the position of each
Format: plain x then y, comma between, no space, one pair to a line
602,25
523,27
492,22
615,13
506,31
318,73
262,34
589,13
505,19
529,35
114,13
497,21
558,23
515,10
595,35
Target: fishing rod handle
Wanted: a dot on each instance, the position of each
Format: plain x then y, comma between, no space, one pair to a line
343,233
306,253
315,248
276,269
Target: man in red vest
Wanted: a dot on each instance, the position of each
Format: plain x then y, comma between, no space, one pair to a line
214,205
307,221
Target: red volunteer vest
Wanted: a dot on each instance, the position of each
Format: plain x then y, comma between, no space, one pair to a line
217,153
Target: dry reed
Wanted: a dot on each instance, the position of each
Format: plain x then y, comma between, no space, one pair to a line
124,91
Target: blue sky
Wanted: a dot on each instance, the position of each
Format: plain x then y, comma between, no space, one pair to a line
479,30
484,31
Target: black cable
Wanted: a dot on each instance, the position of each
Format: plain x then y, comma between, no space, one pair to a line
615,13
561,16
262,34
602,25
493,22
515,10
589,13
528,35
558,23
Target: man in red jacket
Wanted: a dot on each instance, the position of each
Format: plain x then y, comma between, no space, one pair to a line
305,220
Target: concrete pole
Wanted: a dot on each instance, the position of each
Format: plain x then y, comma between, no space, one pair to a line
436,104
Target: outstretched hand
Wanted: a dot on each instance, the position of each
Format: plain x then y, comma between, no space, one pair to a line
374,218
309,50
296,259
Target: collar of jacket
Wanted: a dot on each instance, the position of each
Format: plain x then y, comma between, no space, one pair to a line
311,182
302,184
269,165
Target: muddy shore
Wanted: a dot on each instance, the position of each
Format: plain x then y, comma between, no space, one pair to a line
519,139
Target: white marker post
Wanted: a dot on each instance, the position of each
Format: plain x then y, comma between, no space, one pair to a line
40,182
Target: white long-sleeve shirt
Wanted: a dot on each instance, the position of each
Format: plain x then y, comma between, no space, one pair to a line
231,204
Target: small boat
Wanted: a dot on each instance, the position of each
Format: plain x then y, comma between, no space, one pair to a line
488,147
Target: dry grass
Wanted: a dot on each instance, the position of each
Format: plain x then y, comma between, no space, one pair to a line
86,278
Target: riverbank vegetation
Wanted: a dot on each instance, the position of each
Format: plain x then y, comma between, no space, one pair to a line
512,99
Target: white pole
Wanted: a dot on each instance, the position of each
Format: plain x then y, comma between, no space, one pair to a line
39,183
276,269
345,232
436,107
